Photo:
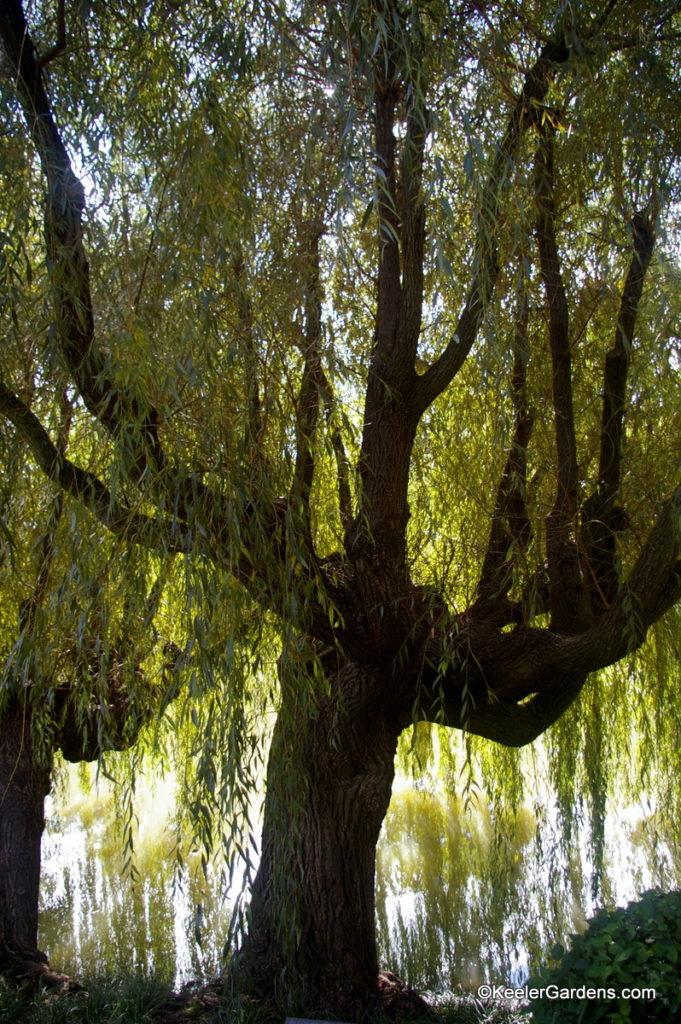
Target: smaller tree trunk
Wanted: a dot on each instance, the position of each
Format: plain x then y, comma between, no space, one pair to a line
329,781
24,784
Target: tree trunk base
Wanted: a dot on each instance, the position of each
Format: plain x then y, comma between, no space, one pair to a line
399,1001
311,932
31,970
395,1000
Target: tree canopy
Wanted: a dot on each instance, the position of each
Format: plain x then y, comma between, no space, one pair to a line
367,315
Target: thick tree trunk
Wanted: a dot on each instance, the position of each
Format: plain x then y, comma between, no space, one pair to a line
329,781
24,784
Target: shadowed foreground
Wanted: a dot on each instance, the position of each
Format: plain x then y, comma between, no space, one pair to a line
135,1000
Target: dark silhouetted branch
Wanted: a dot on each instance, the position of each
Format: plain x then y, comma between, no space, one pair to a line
602,514
121,412
562,554
255,427
490,218
511,532
86,487
309,396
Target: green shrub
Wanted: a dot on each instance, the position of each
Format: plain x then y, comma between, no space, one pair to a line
638,947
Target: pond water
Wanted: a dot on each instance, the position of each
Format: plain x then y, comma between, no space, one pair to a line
444,918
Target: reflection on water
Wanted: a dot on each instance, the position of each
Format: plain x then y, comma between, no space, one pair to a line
96,919
458,902
463,898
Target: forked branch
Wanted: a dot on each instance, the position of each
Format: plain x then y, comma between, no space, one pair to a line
602,514
490,220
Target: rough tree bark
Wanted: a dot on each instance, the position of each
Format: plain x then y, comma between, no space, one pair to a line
329,781
24,784
25,779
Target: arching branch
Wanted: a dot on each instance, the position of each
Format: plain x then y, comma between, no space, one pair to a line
86,487
510,687
124,414
129,417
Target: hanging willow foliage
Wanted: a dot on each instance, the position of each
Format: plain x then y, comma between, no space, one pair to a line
368,319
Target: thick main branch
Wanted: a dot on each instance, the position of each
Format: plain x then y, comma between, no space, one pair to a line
565,581
123,413
602,515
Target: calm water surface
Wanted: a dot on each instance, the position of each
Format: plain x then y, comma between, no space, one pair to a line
443,918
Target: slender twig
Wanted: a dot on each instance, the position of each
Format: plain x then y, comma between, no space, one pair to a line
60,45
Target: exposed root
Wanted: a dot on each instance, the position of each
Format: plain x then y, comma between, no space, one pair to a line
31,970
400,1001
185,1007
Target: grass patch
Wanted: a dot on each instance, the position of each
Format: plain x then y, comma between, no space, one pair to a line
144,1000
124,1000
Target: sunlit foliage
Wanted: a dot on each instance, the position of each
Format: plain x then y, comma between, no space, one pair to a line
366,319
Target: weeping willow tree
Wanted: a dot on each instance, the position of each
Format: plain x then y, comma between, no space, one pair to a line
370,318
